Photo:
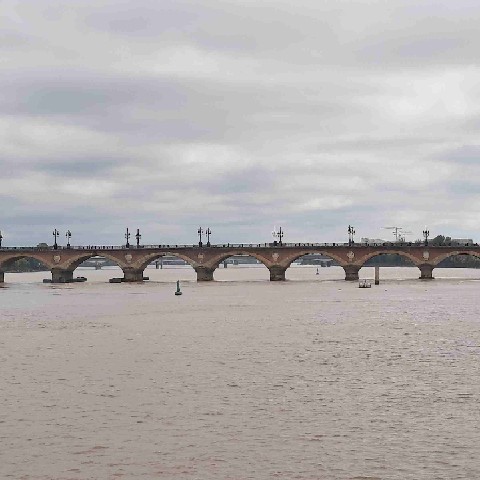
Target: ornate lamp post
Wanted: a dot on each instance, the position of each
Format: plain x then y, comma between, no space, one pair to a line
200,231
69,236
138,237
1,237
278,235
426,234
208,232
127,236
351,233
55,234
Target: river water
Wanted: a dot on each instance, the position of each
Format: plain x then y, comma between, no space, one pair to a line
241,378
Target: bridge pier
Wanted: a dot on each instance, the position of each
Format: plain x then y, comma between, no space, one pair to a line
426,272
2,277
132,275
277,273
204,274
60,275
351,272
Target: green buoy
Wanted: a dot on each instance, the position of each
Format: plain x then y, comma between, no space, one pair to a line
178,292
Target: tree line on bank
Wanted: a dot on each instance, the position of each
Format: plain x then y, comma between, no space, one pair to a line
27,265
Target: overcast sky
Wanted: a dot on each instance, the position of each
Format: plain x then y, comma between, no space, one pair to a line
165,115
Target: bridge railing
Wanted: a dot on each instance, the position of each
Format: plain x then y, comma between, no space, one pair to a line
229,245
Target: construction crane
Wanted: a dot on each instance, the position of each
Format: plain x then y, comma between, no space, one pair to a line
399,233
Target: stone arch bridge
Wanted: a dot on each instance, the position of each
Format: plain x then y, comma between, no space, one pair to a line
63,261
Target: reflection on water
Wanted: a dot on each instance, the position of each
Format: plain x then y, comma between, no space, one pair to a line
242,378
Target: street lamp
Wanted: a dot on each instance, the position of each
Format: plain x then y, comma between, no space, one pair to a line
426,234
68,235
200,231
127,236
208,232
55,234
138,237
351,233
278,235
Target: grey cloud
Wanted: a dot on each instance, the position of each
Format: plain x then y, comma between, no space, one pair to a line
79,167
247,181
397,32
237,115
466,155
14,40
77,93
465,188
414,49
173,109
212,25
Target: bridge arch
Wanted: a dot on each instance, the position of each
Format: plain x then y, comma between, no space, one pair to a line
440,258
400,253
11,259
8,262
287,262
149,258
215,261
76,261
304,271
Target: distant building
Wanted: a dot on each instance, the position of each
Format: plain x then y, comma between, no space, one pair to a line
462,241
371,241
315,259
240,260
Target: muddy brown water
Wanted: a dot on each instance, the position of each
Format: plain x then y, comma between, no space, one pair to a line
242,378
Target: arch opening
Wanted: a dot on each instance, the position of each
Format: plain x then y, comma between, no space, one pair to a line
22,264
160,261
95,267
314,265
459,265
241,266
393,265
168,267
94,262
218,260
389,260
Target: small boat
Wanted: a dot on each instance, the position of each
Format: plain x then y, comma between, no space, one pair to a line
364,283
78,279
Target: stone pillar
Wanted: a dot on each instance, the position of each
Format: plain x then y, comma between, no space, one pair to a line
60,275
377,275
204,274
426,271
2,277
132,275
351,272
277,273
